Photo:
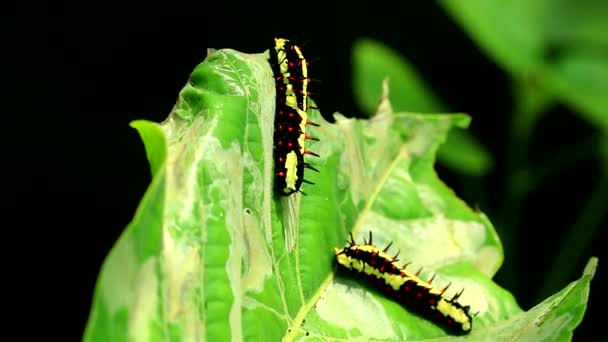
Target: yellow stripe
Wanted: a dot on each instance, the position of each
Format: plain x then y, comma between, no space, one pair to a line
291,164
305,76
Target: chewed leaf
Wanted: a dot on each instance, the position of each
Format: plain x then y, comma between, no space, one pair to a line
205,257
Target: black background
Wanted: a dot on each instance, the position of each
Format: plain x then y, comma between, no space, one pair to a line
90,71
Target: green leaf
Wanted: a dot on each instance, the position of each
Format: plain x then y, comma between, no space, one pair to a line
206,256
373,62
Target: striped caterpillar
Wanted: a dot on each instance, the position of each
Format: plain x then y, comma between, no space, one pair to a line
291,79
404,286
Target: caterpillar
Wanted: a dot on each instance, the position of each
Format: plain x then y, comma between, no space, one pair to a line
290,70
404,286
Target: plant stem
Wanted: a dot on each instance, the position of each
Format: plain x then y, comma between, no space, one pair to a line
578,240
547,169
531,103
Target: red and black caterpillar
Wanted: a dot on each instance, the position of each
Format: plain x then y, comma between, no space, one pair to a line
405,287
290,70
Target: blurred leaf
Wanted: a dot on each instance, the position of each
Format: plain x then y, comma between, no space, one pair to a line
465,155
578,23
519,34
205,256
372,63
581,80
511,32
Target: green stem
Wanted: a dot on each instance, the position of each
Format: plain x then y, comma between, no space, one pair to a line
579,238
546,170
531,103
